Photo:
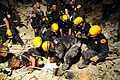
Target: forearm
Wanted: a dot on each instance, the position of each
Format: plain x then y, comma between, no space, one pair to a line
7,23
61,33
70,31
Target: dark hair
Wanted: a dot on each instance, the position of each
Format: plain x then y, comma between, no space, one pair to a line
12,61
4,48
39,1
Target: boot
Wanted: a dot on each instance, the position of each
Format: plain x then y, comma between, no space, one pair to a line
82,65
18,39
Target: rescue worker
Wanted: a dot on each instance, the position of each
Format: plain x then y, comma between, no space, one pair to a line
54,16
32,57
37,49
37,17
78,9
50,33
65,25
81,29
65,47
4,54
4,27
15,33
25,60
97,47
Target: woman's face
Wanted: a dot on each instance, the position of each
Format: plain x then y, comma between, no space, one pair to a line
4,54
17,64
52,59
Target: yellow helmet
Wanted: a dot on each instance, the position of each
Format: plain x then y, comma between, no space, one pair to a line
9,33
95,30
46,45
65,17
78,20
54,27
37,41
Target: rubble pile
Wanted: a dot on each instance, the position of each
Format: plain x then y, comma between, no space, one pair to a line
107,70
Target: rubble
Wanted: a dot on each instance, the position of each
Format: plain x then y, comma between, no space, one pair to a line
107,70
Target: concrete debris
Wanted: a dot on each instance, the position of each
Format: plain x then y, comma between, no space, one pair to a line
107,70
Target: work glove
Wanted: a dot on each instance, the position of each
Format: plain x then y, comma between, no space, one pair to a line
44,30
9,33
94,59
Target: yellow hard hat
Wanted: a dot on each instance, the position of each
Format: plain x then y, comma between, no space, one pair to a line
65,17
37,41
78,20
95,30
54,27
9,33
46,45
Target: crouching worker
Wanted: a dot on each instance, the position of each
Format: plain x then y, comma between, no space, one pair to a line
4,54
25,60
97,47
65,47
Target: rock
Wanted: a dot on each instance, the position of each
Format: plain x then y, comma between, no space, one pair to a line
99,79
109,64
116,61
102,67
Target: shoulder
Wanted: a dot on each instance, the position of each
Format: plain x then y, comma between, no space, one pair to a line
102,39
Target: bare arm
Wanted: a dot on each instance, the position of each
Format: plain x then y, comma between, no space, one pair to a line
6,22
61,33
32,60
54,71
70,31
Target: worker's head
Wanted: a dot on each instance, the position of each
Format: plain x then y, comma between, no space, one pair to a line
14,63
65,18
37,41
54,7
4,50
78,21
54,27
47,45
95,31
38,2
71,2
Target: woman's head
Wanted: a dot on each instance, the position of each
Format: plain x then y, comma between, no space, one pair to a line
14,63
4,50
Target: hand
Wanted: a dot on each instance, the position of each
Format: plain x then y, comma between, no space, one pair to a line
94,59
9,33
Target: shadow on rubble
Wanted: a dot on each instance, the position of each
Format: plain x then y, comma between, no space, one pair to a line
22,25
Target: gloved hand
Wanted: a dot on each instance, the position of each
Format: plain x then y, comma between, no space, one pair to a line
44,30
94,59
9,33
78,34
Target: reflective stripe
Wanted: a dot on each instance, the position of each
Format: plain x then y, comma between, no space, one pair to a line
2,25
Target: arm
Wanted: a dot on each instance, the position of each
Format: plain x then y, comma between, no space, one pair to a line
54,71
70,31
6,22
104,48
32,60
61,33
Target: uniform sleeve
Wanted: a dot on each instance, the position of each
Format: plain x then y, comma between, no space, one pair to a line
60,24
104,48
87,29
